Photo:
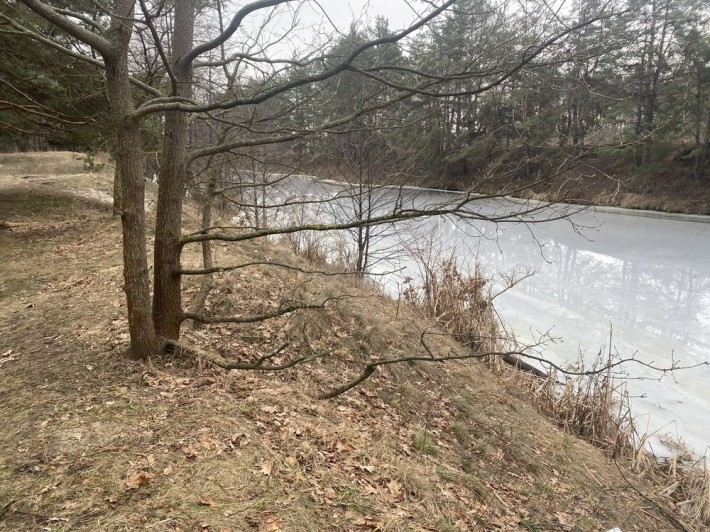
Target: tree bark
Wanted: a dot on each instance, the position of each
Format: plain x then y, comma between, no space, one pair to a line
129,157
117,189
167,295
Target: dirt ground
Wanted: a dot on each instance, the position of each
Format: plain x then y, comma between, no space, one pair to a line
93,440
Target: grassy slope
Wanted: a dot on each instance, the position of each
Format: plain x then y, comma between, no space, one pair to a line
95,441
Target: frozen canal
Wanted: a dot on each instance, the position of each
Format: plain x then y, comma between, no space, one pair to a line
645,278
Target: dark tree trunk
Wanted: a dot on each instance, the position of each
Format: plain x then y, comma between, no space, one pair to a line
117,190
167,296
129,162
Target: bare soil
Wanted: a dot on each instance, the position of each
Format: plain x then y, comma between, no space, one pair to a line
93,440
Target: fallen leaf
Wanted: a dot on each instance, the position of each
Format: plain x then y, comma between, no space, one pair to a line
395,489
137,480
50,487
271,524
267,468
207,501
190,453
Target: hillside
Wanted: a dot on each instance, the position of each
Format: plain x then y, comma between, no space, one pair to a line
96,441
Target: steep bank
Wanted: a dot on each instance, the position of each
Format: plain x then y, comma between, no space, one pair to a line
99,442
609,181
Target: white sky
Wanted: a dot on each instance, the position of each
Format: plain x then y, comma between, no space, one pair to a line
398,12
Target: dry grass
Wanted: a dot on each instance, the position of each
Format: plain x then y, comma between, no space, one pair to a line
458,302
596,408
96,441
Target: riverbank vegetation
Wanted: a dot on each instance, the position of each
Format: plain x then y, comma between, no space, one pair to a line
589,401
98,441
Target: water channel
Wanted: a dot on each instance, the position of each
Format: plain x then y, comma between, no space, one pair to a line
641,281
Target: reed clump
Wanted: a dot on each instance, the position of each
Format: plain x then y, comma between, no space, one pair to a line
596,407
458,301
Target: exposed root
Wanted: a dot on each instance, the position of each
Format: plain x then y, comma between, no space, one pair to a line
258,365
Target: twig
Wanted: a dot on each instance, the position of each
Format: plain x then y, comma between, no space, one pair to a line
665,511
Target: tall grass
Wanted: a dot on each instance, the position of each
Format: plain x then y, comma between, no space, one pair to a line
459,302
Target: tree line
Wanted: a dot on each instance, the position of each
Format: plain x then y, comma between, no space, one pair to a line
639,81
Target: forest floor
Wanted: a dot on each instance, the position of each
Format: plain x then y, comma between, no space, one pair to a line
93,440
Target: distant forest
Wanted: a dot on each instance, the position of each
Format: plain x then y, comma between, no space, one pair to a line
634,86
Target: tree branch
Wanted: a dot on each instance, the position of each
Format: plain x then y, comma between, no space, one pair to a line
98,43
220,362
282,311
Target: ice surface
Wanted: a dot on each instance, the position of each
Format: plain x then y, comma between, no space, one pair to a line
647,279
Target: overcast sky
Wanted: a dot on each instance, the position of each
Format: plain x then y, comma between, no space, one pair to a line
315,29
400,13
342,12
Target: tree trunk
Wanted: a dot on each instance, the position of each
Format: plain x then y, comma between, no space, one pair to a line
129,161
167,303
198,301
117,189
167,295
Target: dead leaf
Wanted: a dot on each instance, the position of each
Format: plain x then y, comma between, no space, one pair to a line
71,505
564,519
207,501
137,480
50,487
395,489
190,453
267,468
291,461
272,524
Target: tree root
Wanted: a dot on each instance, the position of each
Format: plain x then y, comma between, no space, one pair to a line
217,360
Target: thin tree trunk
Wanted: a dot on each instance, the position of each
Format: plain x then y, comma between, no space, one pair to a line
704,154
117,189
198,301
